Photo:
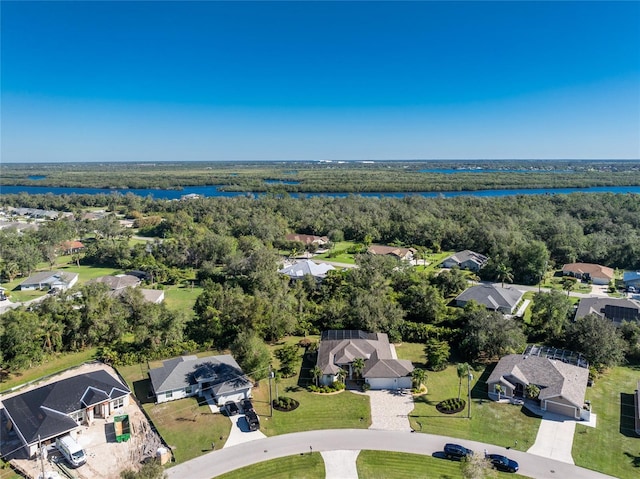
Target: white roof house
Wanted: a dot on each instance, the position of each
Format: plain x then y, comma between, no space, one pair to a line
306,267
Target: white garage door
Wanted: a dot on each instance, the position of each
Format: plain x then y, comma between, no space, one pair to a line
563,409
389,383
235,397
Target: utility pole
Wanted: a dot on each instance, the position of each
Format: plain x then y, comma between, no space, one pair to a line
41,456
270,398
469,378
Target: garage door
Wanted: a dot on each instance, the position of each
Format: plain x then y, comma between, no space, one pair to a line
558,408
237,397
383,383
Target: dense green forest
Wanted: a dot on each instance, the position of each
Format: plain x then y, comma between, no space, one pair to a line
314,177
234,245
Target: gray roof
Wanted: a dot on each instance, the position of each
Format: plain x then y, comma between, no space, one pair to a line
349,345
468,255
222,373
306,267
49,278
492,296
614,309
120,281
553,377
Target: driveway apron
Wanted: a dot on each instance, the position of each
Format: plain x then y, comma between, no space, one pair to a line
555,438
240,432
340,464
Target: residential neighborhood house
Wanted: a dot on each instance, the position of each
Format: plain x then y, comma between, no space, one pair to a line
562,385
631,279
307,239
406,254
382,370
493,297
60,407
466,260
216,377
595,273
70,247
119,283
49,280
305,267
613,309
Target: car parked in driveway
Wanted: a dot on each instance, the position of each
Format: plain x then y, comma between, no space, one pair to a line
456,452
232,408
247,405
503,463
252,420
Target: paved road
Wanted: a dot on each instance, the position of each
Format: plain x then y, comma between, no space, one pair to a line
225,460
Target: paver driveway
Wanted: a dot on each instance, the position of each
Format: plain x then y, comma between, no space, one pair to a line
390,410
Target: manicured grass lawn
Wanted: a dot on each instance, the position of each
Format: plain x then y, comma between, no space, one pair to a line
316,411
555,282
306,466
52,365
189,428
400,465
434,260
181,297
338,253
612,447
88,273
493,423
414,352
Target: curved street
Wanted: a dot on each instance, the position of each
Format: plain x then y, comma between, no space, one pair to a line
229,459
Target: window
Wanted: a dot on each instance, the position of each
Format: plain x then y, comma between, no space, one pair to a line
77,416
117,403
168,394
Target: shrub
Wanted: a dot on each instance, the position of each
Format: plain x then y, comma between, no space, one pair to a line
366,386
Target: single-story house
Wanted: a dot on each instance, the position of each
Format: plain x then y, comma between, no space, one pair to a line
595,273
613,309
492,296
396,251
307,239
631,278
636,400
305,267
119,283
562,385
49,280
466,259
71,247
382,369
60,407
217,376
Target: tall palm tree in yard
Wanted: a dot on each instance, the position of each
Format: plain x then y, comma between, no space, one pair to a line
504,274
462,369
316,372
419,376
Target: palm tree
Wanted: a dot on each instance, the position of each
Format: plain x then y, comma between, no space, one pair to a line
568,284
342,375
533,391
418,376
358,366
504,274
462,369
316,372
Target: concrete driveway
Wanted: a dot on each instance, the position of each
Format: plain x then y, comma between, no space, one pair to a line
240,431
390,410
555,438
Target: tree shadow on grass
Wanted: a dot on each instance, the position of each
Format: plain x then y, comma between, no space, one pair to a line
635,460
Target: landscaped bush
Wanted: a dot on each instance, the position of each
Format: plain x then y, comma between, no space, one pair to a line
335,387
285,404
366,386
451,406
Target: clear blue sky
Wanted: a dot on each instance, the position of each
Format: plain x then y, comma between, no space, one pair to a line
126,81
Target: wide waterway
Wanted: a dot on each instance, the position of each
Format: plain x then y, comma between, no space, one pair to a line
210,191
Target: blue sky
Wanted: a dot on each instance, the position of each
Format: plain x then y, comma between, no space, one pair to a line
153,81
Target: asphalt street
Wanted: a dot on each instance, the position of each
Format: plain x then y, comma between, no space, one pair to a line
229,459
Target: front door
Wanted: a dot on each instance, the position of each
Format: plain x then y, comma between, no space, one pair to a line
519,391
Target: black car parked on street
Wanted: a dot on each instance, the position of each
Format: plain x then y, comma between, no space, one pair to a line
503,463
456,452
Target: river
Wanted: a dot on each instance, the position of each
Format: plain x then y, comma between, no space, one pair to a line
213,191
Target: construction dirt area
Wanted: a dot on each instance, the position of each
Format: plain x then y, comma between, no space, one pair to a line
106,458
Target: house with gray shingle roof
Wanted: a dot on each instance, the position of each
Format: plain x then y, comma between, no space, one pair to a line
562,386
306,267
616,310
219,377
466,259
382,369
49,280
60,407
492,297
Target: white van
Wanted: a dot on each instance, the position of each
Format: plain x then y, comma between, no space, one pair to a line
71,450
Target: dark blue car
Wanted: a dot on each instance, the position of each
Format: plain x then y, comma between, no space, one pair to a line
503,463
456,452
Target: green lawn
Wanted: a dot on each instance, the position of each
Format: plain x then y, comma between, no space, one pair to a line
304,466
612,447
316,411
181,297
493,423
338,253
186,426
400,465
51,365
555,282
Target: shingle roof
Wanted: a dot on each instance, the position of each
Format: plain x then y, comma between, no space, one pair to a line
468,255
492,296
307,239
593,270
554,377
391,250
221,372
120,281
44,411
49,277
306,267
374,348
614,309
